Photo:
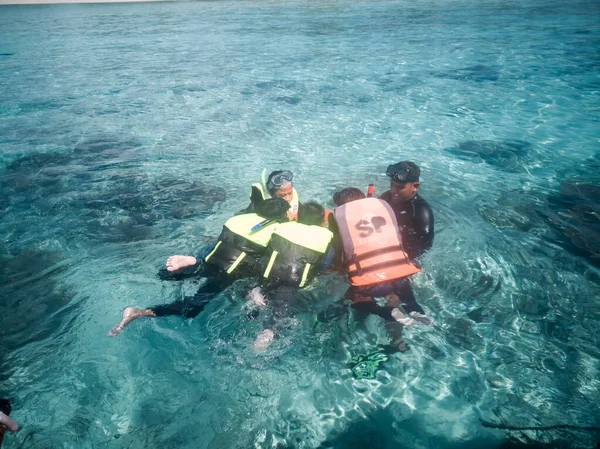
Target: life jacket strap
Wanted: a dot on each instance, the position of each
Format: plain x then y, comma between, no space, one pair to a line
213,251
236,263
360,271
304,275
377,252
270,264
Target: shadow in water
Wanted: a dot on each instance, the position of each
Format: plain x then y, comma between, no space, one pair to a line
381,430
476,73
99,192
507,155
32,304
569,217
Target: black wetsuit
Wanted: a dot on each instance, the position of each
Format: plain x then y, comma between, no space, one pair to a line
415,221
217,280
416,225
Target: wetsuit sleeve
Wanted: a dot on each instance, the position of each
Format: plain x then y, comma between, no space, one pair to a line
328,259
255,198
424,231
386,196
335,245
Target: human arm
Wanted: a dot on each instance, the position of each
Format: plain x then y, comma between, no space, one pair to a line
256,197
8,422
423,230
386,196
336,249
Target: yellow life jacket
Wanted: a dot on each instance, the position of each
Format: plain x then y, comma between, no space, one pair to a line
295,253
293,212
236,242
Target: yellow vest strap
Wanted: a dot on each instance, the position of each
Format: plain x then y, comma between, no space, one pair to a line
213,251
236,263
270,264
304,275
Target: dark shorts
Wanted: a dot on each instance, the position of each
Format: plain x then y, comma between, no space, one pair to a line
363,298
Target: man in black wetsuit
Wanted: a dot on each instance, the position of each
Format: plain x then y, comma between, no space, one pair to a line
414,215
415,222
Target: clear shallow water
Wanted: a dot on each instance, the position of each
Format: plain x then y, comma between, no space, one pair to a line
131,132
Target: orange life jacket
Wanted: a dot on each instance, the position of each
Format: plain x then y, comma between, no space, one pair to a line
373,251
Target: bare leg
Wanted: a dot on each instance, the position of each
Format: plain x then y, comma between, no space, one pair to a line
263,340
175,263
130,314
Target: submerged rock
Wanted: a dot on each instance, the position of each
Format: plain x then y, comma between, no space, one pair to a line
508,155
569,217
574,216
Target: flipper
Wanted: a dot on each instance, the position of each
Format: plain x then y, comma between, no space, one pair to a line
366,366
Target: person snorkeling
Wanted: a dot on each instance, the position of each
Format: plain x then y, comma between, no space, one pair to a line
242,242
370,252
413,213
277,185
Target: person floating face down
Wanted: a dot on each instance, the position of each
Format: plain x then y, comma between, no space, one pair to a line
240,245
370,252
278,185
413,213
297,252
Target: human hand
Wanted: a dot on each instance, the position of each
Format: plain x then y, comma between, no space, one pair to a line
7,422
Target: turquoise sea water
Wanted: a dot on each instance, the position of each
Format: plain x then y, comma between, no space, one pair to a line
129,132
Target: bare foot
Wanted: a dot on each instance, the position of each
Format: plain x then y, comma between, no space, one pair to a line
421,318
263,340
412,319
175,263
129,314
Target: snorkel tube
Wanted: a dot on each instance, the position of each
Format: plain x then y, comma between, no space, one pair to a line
370,190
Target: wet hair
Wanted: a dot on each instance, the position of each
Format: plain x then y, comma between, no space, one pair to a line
272,188
272,208
311,214
348,194
5,406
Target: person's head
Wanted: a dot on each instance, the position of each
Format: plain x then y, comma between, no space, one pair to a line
272,208
404,181
346,195
311,214
279,184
